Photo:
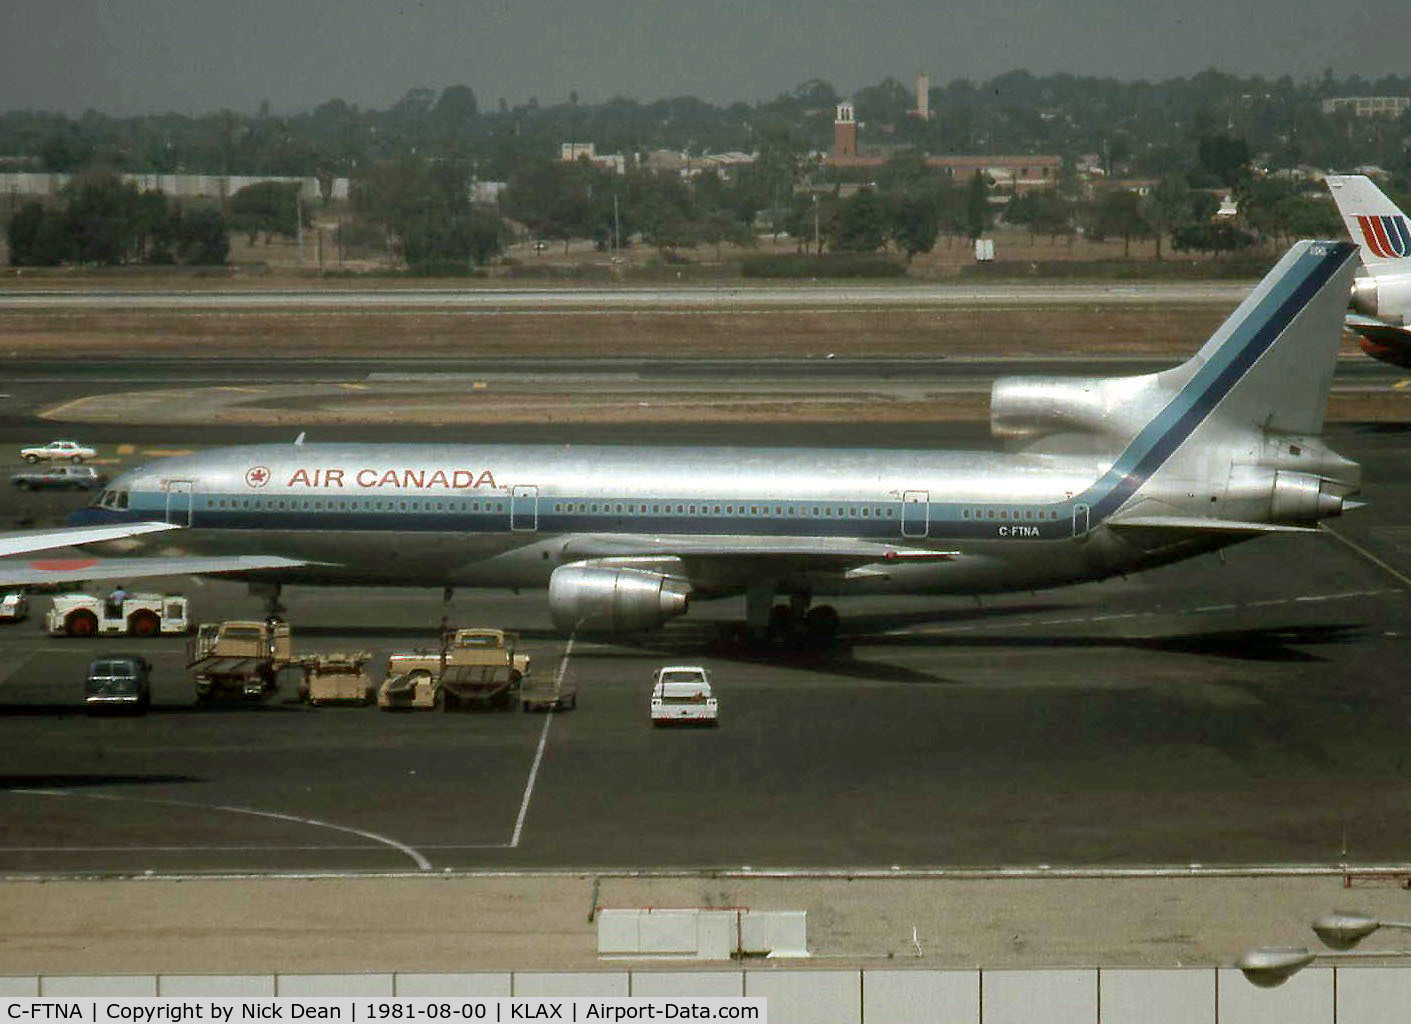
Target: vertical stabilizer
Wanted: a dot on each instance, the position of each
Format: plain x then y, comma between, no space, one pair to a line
1373,221
1265,373
1270,364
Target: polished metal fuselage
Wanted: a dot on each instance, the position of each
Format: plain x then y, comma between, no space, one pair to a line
506,515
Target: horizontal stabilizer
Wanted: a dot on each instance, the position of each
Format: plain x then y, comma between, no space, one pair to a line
21,542
1202,524
1377,330
27,572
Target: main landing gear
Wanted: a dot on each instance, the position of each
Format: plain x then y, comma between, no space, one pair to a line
794,626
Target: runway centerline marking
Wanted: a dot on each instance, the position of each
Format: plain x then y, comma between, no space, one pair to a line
539,754
421,862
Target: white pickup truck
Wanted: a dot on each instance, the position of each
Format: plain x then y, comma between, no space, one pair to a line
681,695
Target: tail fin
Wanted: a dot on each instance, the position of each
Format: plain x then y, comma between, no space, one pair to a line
1373,221
1267,368
1254,394
1270,364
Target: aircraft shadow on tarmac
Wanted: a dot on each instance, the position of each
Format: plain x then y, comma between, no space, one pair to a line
1276,643
1271,643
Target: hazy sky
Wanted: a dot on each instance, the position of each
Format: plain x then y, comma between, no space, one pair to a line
196,56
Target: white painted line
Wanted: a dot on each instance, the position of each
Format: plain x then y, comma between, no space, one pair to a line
539,754
421,862
1399,577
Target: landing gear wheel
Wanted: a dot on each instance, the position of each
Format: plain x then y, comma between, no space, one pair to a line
81,624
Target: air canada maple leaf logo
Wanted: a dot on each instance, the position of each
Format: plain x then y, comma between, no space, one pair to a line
256,476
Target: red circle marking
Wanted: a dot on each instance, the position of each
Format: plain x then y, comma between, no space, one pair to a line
62,564
257,476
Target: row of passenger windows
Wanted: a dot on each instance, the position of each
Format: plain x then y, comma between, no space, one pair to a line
1009,513
352,505
685,509
570,507
119,499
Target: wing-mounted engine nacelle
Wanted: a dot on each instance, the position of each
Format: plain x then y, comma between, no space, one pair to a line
1027,408
1289,497
602,599
1386,297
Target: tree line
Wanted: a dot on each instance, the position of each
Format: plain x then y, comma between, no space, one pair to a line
1143,129
413,166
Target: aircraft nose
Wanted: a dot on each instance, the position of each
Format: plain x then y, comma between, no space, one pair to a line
89,516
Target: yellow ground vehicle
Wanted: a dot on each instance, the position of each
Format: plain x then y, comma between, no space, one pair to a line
473,668
336,678
463,647
240,659
459,686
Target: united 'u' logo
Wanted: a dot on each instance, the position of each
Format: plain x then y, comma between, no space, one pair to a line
1388,237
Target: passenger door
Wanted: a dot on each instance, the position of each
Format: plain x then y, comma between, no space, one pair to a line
1080,520
915,513
180,505
524,508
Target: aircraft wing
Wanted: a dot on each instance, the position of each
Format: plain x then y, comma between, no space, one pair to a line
800,553
27,572
22,542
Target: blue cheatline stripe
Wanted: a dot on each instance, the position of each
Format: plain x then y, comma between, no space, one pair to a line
1250,340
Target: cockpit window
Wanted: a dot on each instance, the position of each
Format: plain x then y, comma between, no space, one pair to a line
122,499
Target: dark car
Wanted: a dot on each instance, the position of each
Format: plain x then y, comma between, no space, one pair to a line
119,682
80,478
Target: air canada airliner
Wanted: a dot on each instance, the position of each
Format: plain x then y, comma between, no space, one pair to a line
1381,292
1101,476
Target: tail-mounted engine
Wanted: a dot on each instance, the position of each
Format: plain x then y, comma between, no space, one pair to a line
1026,409
1297,480
1386,297
602,599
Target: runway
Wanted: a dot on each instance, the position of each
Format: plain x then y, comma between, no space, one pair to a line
1216,712
577,300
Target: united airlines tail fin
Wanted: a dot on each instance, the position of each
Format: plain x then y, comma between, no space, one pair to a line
1373,221
1381,294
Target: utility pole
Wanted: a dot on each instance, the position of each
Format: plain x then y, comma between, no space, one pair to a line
817,247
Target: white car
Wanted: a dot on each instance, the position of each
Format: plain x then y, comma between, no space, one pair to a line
58,451
14,606
681,696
